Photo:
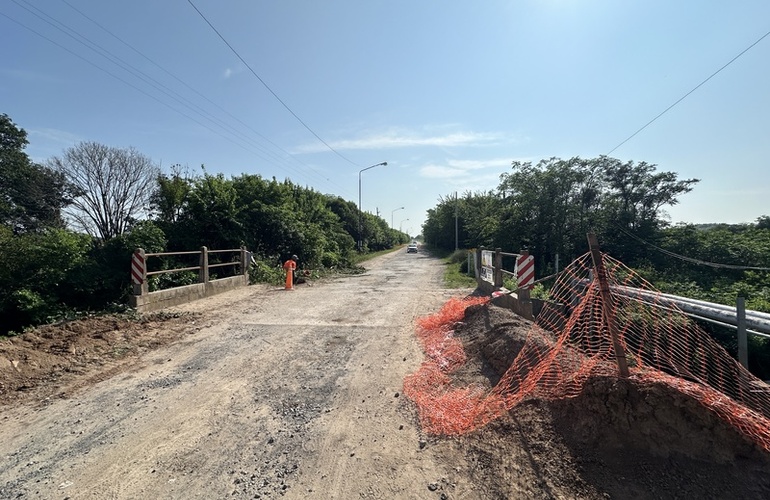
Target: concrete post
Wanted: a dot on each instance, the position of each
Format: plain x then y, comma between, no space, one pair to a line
244,261
204,265
477,258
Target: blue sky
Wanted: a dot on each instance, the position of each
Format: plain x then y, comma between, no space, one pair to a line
447,92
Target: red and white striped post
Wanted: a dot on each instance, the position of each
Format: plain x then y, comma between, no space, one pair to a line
139,272
525,274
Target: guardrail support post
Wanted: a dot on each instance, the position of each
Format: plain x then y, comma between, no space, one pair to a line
477,258
244,261
609,316
498,279
204,264
743,345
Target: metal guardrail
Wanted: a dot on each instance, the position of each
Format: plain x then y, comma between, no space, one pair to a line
756,322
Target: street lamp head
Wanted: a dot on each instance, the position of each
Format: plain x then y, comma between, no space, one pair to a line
383,164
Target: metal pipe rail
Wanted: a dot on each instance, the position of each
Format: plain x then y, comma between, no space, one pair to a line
758,322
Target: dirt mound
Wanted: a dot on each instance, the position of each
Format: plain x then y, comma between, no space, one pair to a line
617,437
73,354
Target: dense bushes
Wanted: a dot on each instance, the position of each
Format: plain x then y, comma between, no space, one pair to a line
50,272
55,273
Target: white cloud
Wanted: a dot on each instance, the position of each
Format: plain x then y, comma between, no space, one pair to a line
481,164
230,72
456,169
398,138
46,142
441,172
54,135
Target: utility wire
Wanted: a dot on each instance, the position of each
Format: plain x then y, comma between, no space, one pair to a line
90,45
690,92
268,87
288,155
138,89
690,259
148,80
54,42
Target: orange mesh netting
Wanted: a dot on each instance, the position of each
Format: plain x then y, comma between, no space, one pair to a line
571,342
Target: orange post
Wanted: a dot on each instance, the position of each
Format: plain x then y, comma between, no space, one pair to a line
290,265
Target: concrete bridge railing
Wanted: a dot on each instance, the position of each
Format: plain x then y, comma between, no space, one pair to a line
144,301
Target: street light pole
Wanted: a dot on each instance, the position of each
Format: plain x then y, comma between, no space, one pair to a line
391,216
360,213
400,224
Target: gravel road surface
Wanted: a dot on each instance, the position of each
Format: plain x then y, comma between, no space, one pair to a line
274,393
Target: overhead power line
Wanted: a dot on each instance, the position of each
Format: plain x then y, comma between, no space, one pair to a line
690,92
268,87
189,87
152,82
690,259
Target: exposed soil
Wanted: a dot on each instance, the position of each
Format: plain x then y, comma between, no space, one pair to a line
57,360
617,439
264,393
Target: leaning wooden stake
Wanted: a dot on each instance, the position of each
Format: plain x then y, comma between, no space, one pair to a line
604,289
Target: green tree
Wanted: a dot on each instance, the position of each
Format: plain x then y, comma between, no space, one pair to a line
635,197
438,229
31,196
479,219
171,195
211,218
549,207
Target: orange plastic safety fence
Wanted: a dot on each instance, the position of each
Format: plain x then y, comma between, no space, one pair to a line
571,341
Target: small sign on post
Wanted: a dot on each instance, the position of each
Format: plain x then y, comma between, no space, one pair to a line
487,266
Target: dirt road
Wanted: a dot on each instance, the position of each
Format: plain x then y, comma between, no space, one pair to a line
266,393
274,393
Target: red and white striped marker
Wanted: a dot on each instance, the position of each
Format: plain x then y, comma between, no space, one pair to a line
525,271
137,268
